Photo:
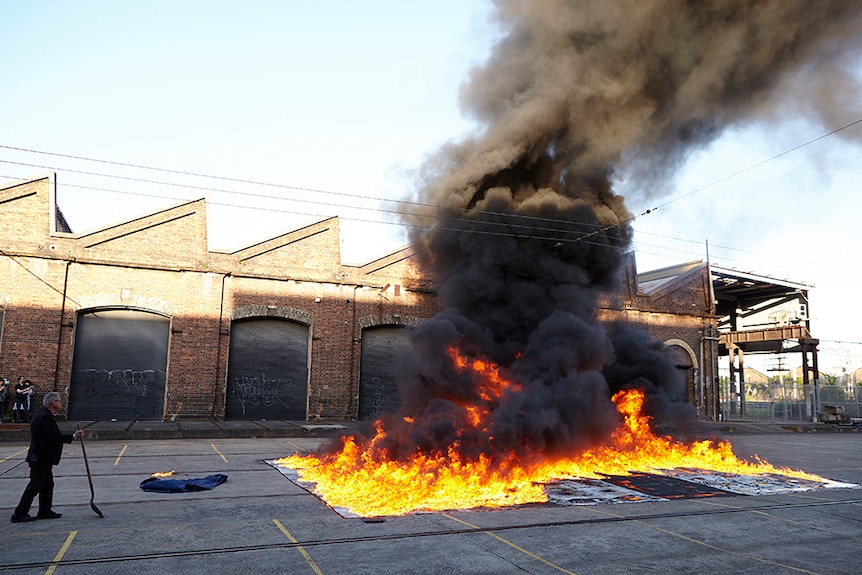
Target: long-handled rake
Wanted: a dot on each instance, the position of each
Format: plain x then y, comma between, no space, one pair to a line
89,477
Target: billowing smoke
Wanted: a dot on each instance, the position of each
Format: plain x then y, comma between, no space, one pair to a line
528,230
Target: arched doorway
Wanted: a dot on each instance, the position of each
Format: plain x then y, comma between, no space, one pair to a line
267,375
378,389
683,358
119,365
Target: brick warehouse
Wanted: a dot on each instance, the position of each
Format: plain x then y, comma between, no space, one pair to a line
141,320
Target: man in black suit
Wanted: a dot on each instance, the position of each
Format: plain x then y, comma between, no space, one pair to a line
46,447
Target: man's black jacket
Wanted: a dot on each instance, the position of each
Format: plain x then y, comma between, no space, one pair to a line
46,441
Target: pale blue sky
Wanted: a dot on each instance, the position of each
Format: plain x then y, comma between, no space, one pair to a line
348,97
337,96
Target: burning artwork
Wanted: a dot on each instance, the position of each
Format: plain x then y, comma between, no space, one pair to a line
515,387
635,464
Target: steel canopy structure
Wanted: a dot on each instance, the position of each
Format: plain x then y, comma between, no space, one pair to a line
760,314
754,314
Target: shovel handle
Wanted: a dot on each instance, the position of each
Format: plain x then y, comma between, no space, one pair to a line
89,478
86,463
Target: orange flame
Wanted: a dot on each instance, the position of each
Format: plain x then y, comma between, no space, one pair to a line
362,479
163,473
489,384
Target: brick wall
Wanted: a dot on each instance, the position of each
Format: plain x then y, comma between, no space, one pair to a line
161,263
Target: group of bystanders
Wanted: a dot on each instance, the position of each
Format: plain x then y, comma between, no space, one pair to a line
21,396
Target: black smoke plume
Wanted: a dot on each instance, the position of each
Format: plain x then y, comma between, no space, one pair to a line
528,230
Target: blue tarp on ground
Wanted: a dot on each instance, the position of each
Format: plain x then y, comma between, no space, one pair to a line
182,485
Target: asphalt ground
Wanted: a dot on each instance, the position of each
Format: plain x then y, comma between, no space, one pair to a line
260,522
192,429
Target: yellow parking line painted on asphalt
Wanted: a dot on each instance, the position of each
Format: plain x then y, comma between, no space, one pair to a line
778,517
713,547
13,455
292,444
512,545
299,548
219,452
122,451
61,552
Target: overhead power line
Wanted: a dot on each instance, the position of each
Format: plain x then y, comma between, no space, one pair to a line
566,226
400,202
433,216
439,222
759,164
752,252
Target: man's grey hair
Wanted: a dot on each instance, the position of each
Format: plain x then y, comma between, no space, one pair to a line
49,397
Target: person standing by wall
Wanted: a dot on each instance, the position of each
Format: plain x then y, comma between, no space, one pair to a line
30,389
4,389
19,407
46,448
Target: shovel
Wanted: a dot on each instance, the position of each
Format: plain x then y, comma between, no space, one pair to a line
89,477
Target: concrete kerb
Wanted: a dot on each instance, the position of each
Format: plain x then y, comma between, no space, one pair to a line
749,428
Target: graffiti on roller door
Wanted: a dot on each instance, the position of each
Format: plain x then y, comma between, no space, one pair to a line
257,391
125,382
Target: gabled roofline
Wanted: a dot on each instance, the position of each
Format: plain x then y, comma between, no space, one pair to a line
125,223
669,271
295,232
402,253
50,176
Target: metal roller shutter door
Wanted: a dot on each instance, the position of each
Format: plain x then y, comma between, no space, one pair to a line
119,366
378,390
267,370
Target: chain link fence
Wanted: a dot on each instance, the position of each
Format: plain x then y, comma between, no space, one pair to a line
789,401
